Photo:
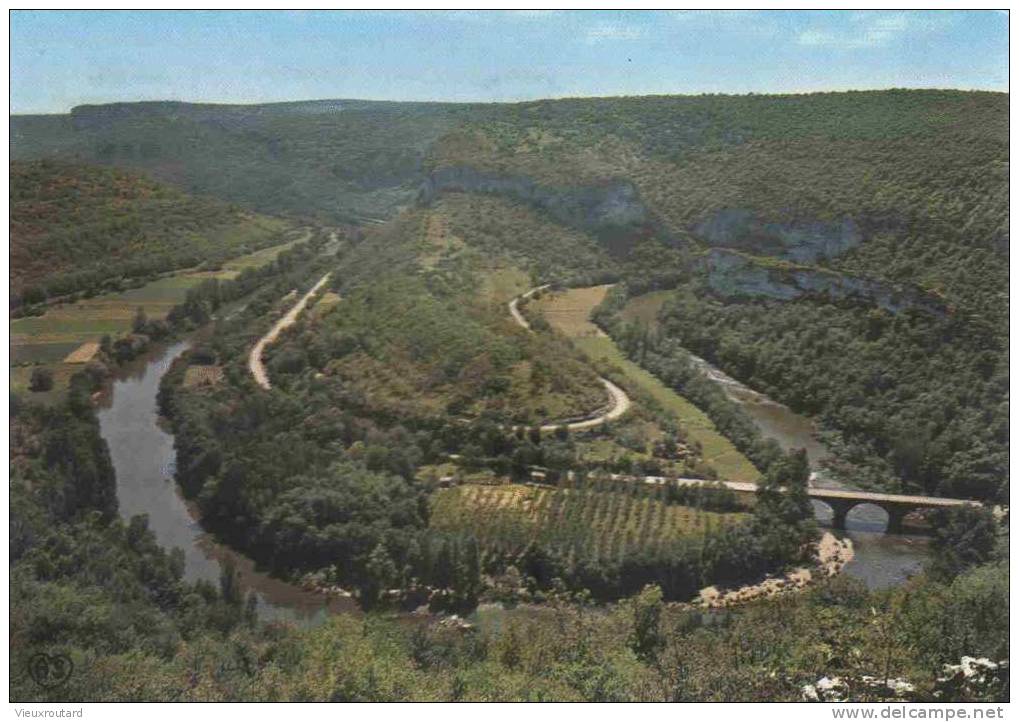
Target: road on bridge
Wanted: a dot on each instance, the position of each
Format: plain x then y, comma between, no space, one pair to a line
842,501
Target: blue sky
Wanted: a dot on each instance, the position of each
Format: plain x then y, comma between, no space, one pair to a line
60,59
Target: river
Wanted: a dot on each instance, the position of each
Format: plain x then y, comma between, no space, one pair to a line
143,457
881,560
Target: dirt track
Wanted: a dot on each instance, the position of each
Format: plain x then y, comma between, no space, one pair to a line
620,402
288,319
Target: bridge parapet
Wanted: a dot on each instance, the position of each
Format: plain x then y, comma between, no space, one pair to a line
842,501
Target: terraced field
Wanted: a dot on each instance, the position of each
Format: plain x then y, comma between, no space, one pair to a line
570,311
507,518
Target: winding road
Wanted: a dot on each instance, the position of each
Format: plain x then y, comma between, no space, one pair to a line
255,357
619,402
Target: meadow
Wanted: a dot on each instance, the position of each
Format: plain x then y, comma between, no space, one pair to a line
49,339
569,312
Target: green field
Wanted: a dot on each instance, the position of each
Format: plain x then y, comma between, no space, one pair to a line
569,312
46,340
606,524
718,450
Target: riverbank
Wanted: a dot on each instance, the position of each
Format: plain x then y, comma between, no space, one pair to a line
832,556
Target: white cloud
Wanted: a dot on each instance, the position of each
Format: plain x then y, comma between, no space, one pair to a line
604,32
870,29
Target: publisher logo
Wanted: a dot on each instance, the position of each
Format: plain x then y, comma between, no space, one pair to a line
50,670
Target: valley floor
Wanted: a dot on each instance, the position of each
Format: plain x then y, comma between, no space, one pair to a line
570,311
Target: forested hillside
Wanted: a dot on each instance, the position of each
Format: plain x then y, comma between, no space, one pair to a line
77,227
343,160
848,251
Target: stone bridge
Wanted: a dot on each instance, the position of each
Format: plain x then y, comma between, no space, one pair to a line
842,501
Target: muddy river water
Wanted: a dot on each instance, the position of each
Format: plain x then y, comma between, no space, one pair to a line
143,456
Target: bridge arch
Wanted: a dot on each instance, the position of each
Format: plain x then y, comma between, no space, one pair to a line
895,512
868,516
823,511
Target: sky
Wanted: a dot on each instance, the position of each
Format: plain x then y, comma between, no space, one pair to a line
60,59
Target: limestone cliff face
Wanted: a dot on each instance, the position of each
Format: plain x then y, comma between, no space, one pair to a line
611,210
800,241
733,275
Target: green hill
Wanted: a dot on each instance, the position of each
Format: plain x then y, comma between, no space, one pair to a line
336,159
78,227
815,211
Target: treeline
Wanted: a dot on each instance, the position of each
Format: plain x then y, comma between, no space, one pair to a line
916,402
671,364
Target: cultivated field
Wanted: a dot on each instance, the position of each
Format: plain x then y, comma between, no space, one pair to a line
569,312
51,340
645,308
197,376
606,524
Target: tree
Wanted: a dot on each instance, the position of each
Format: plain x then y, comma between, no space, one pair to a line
140,321
230,583
380,573
647,638
467,582
784,515
964,536
42,379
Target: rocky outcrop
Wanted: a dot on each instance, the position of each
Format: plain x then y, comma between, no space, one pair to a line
611,210
733,275
805,241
